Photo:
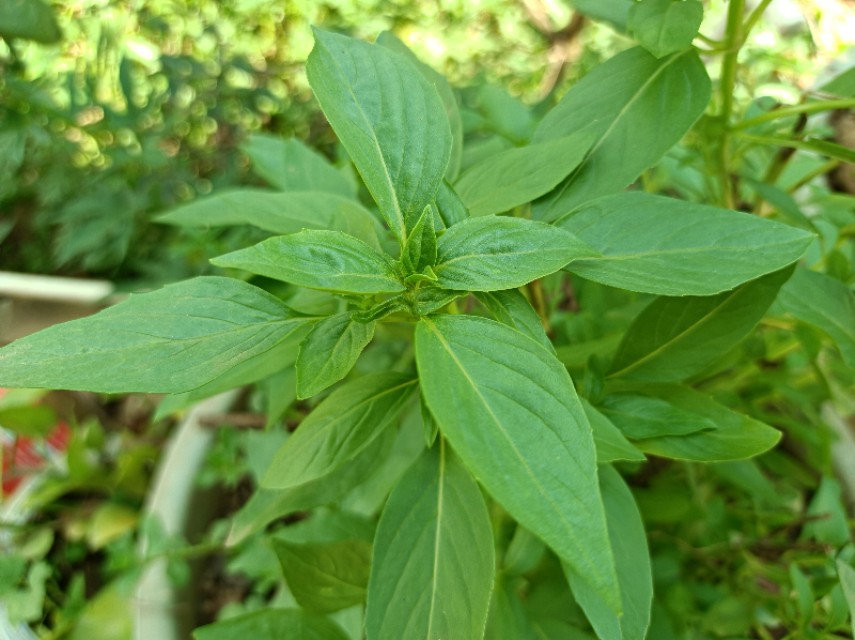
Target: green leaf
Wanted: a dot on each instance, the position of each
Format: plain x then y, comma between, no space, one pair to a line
446,93
637,108
168,341
266,505
674,248
843,84
519,175
828,521
847,582
339,429
325,577
632,558
492,253
251,370
508,408
450,206
507,620
511,307
420,248
815,145
388,117
825,303
327,260
277,212
615,12
664,27
640,417
29,20
610,442
804,595
329,352
524,554
674,338
433,555
735,437
289,165
272,624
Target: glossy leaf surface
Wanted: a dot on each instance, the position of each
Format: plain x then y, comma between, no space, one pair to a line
492,253
508,408
326,260
388,117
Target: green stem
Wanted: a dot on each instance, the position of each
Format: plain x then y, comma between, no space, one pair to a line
794,110
822,169
710,41
754,17
728,82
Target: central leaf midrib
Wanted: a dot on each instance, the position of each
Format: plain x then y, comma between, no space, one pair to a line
680,336
399,216
497,422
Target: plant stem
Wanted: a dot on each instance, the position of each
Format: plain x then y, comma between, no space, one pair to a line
535,289
734,42
794,110
754,17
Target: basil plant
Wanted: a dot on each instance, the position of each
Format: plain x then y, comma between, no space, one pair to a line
433,315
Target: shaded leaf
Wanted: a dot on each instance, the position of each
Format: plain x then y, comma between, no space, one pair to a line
290,165
632,559
511,307
825,303
277,212
339,429
433,555
674,338
508,179
266,505
29,20
640,417
610,442
272,624
636,107
325,577
329,352
735,437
